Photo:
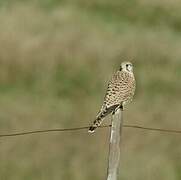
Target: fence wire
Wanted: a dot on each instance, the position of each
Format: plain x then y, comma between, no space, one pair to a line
161,130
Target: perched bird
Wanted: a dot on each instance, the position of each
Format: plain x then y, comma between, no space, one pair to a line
120,91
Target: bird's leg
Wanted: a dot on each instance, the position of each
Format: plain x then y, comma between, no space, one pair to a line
118,107
121,107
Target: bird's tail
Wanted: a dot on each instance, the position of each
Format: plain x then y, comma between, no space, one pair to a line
103,113
95,125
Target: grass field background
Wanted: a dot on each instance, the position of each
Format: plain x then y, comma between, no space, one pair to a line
55,60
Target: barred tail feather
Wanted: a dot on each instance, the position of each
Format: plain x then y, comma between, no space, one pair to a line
100,118
95,125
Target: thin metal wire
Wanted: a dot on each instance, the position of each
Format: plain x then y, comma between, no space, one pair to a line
86,128
154,129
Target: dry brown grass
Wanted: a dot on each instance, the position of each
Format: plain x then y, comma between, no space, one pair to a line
53,69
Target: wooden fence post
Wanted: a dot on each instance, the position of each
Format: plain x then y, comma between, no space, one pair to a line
115,146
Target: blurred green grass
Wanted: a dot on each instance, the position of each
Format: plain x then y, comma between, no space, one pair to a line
55,60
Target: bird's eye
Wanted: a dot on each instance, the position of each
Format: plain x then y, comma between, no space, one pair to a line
129,67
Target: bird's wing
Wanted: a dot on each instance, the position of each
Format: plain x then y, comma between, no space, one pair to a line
113,90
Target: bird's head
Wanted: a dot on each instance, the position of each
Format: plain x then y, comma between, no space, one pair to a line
126,66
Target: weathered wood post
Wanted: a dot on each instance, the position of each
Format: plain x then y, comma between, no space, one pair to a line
115,146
